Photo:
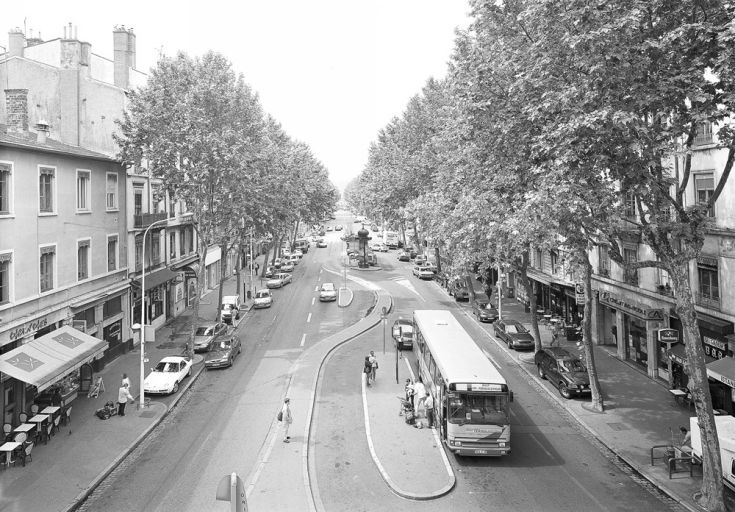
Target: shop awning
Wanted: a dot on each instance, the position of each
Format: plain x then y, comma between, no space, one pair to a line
155,279
722,327
678,354
723,370
45,360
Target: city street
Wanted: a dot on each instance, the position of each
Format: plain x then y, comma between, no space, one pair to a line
223,421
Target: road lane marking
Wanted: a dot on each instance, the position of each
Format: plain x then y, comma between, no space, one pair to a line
312,300
303,339
316,288
308,318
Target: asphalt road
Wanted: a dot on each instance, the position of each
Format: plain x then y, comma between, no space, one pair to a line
221,423
223,420
554,465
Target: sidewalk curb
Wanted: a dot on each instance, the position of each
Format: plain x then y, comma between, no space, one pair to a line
634,466
79,499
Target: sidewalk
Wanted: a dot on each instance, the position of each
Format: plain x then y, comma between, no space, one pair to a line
639,412
75,460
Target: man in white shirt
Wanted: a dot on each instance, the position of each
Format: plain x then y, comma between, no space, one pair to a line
429,407
123,395
419,395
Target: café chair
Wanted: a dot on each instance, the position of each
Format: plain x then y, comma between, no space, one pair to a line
47,433
25,453
8,431
34,409
20,437
55,424
66,415
23,417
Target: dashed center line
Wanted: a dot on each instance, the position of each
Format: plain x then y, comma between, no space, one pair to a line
308,318
303,339
312,300
316,288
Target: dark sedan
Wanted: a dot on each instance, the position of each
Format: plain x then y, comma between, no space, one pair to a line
563,370
514,334
206,334
484,311
223,353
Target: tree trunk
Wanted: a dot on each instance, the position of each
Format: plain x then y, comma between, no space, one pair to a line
222,275
295,232
528,286
265,261
598,403
500,291
712,498
194,317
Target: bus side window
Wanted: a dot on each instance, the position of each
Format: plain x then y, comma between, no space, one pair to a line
430,367
435,375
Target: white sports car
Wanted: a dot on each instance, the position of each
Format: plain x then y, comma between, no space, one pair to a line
167,375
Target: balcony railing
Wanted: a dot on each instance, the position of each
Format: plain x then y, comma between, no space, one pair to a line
708,301
603,271
631,277
146,219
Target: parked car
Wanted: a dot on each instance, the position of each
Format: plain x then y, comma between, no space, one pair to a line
277,262
338,227
563,370
167,375
403,333
514,334
421,259
270,271
327,292
229,310
458,289
293,259
330,228
298,252
484,310
403,256
422,272
287,266
205,335
431,267
321,243
278,280
411,251
223,352
263,298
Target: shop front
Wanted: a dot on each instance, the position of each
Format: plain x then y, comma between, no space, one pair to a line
47,369
721,374
156,297
633,326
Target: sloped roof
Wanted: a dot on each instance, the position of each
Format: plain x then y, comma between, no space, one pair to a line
29,140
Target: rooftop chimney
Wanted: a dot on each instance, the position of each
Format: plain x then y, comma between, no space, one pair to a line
43,129
16,107
123,41
17,42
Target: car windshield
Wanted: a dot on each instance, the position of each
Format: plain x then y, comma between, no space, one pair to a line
571,366
478,409
204,331
166,367
328,287
262,294
515,329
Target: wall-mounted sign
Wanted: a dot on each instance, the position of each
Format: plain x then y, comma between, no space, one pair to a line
579,293
631,308
714,348
669,336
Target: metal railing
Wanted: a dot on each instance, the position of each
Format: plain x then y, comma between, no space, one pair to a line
146,219
707,301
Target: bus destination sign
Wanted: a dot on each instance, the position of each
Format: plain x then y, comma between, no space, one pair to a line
485,387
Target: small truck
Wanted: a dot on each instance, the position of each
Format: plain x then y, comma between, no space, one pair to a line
726,435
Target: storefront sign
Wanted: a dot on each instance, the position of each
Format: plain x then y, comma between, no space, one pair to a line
714,348
670,336
28,328
579,293
631,308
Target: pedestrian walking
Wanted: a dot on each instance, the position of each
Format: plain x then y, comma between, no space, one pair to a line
367,369
373,365
419,395
408,391
429,407
126,381
287,419
123,395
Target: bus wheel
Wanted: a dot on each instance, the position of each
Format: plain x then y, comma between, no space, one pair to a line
541,372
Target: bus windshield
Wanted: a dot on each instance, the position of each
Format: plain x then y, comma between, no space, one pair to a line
478,409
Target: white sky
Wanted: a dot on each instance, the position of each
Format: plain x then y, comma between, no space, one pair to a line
333,72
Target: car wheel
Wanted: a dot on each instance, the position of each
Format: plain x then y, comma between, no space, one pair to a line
239,349
564,391
176,387
188,374
229,362
510,344
541,372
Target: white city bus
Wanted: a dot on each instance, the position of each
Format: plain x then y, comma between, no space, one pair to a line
471,397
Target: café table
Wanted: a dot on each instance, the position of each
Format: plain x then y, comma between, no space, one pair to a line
24,427
51,410
39,419
9,448
678,394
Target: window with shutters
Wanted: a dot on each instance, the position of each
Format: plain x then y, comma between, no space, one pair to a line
46,189
84,191
704,187
83,260
6,188
112,252
47,268
111,191
6,259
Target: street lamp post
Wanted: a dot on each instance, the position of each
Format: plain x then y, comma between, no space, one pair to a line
142,314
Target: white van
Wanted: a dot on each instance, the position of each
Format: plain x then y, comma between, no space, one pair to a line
229,310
